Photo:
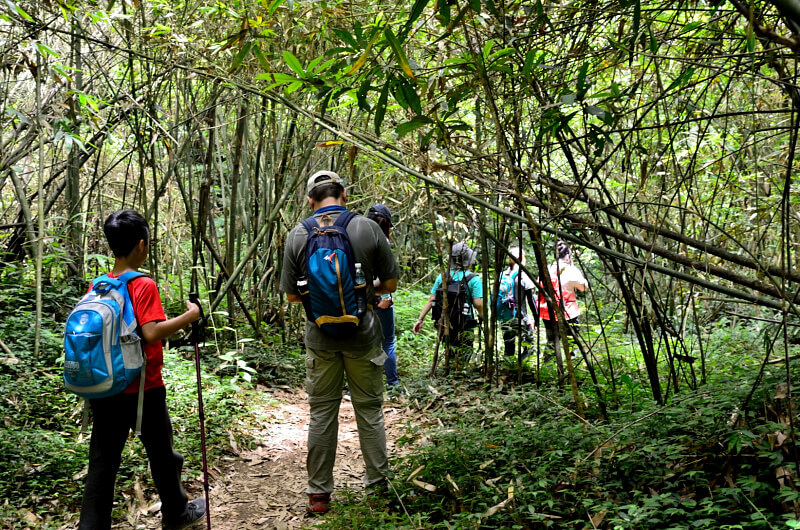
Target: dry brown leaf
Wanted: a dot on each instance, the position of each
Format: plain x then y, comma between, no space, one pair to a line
415,472
496,508
30,517
138,490
424,485
597,519
453,486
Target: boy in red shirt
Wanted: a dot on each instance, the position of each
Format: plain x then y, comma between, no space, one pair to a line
129,238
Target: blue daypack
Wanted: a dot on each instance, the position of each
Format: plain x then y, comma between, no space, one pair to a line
102,351
506,304
332,297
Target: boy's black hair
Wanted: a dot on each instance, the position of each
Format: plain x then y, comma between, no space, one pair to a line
324,191
124,229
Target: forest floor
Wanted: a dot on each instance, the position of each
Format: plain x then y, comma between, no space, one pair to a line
264,488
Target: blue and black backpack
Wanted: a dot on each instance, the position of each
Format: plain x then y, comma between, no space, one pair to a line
102,350
333,290
506,304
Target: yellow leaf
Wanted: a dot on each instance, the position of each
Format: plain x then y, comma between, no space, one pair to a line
329,143
359,63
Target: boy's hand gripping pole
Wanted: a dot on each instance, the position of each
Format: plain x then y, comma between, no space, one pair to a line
196,339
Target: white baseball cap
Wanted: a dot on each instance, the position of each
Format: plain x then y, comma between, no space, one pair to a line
320,178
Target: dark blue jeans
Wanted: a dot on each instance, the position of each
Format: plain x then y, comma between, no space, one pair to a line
386,317
114,418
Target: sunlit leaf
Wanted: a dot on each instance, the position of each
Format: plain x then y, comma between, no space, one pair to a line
44,49
399,54
329,143
274,6
293,63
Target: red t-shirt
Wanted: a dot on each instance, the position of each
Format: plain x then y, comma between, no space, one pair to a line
147,308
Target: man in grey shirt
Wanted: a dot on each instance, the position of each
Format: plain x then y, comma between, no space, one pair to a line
329,358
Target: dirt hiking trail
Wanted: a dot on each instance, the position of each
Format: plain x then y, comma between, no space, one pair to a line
265,488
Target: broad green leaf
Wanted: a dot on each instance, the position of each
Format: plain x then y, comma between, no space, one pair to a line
347,38
277,78
380,108
19,11
44,49
394,44
416,11
313,63
412,125
61,69
262,60
653,41
324,66
682,79
692,26
637,17
528,64
274,6
491,8
411,96
293,63
444,12
487,48
582,86
596,111
14,113
502,53
239,57
361,95
750,38
294,86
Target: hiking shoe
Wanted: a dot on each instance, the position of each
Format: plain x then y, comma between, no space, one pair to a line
318,503
195,513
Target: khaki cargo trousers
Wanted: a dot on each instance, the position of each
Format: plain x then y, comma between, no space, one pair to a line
325,372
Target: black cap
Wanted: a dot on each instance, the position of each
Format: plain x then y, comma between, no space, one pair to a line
381,210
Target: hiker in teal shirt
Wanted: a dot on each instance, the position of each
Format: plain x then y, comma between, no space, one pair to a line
461,259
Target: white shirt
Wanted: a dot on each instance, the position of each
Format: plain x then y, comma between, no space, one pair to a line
570,278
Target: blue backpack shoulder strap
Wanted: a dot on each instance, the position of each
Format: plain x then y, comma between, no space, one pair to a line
310,224
130,275
344,219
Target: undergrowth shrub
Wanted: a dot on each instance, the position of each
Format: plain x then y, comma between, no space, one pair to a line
518,456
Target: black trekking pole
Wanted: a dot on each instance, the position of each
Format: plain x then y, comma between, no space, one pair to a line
196,332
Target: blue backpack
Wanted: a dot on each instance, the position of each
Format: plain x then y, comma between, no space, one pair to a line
506,304
102,351
333,291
